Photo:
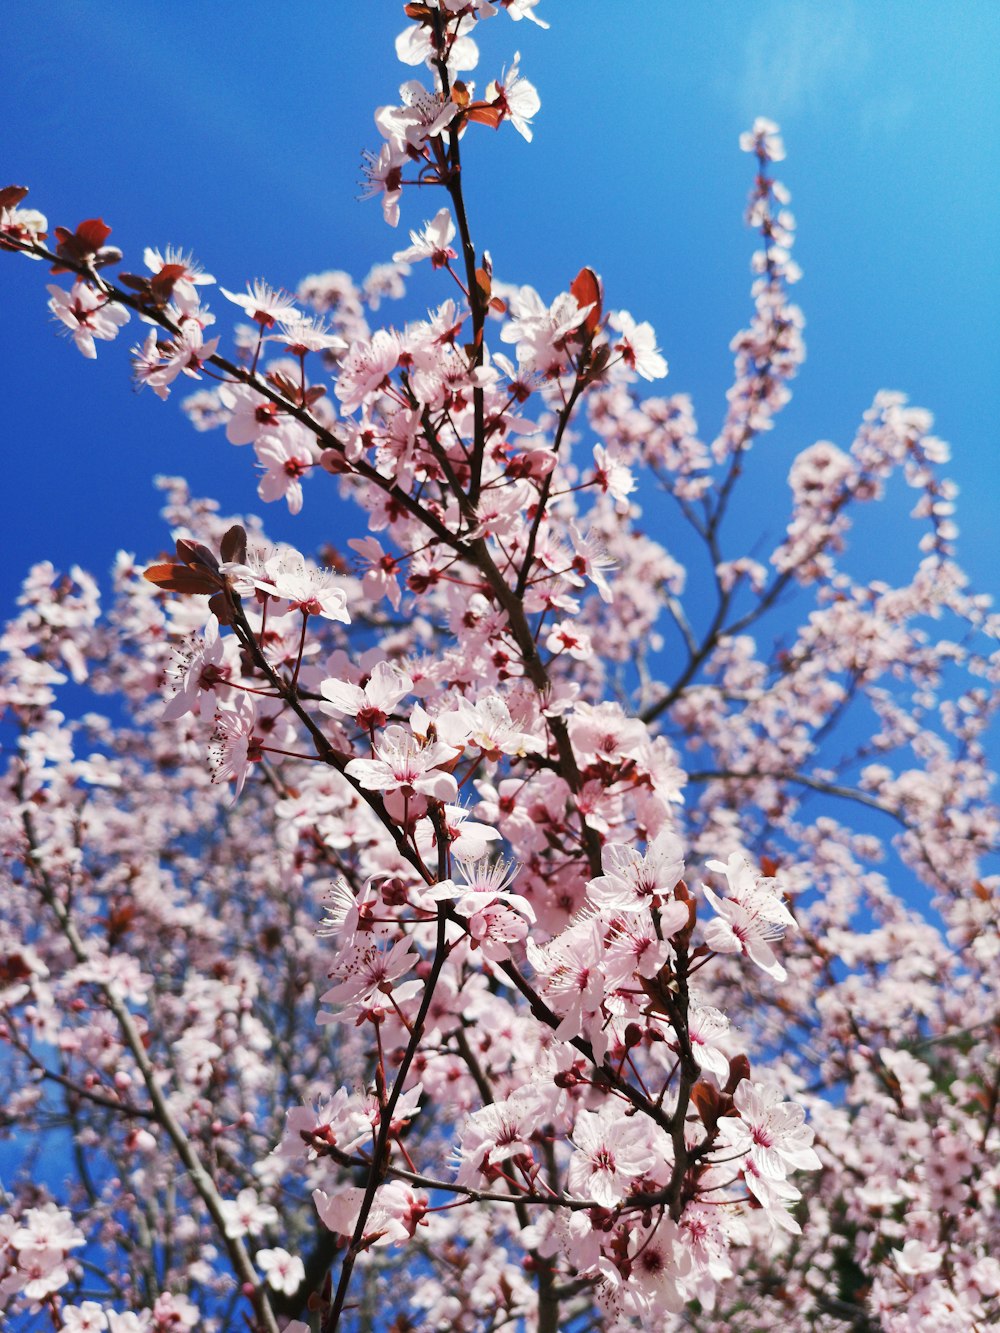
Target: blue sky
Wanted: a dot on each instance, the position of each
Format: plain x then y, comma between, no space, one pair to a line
236,131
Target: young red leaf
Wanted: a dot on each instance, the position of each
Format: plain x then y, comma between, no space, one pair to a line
233,547
181,578
485,114
586,287
82,246
93,232
11,195
193,553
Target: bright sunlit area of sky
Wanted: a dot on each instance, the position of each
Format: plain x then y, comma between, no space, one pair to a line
235,131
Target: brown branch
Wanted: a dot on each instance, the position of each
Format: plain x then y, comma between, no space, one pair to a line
200,1177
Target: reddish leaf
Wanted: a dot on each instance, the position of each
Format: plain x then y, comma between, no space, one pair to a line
739,1069
13,966
93,232
193,553
182,579
119,921
11,195
586,287
709,1103
134,280
485,114
233,547
283,385
162,283
82,246
222,608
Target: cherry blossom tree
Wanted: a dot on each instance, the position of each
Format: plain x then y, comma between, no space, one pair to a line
472,928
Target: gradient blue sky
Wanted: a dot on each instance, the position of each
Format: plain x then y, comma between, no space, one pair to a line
235,130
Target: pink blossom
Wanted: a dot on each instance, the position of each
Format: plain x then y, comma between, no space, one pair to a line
366,368
85,1318
183,284
87,314
401,763
414,46
394,1217
484,883
772,1132
707,1028
380,577
611,1152
636,882
422,115
246,1215
286,454
495,927
765,139
336,1121
201,671
234,747
612,476
364,972
433,242
301,334
637,346
298,585
501,1130
265,305
567,637
383,175
284,1272
371,704
751,915
516,98
48,1227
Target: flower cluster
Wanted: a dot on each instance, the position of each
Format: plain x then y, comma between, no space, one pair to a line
436,925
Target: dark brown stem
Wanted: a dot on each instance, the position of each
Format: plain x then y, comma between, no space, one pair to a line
380,1155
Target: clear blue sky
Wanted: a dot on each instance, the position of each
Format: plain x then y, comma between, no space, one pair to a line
236,130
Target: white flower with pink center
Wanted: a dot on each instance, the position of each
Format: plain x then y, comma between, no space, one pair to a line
285,1272
366,976
636,882
611,1152
395,1214
485,882
370,704
87,314
182,283
432,242
637,345
286,453
403,764
771,1132
85,1318
366,368
300,586
246,1215
265,305
234,748
749,917
707,1027
516,98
